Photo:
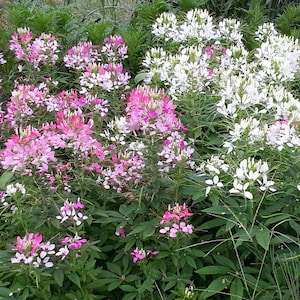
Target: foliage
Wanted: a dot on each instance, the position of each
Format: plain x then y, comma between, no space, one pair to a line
289,21
156,158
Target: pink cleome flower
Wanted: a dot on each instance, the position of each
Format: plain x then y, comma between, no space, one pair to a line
174,218
140,254
151,112
42,50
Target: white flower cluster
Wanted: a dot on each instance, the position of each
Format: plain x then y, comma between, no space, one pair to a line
198,60
279,59
214,168
71,211
187,70
251,173
197,25
280,131
11,190
116,131
265,31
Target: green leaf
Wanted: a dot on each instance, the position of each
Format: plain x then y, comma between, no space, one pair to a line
170,284
140,77
263,238
139,229
4,292
191,262
212,224
74,278
295,226
55,223
98,283
128,288
58,276
224,261
114,268
25,294
115,283
275,218
217,210
163,254
5,178
130,296
216,286
236,289
212,270
130,278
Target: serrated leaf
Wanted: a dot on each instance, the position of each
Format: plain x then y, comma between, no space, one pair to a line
55,223
212,270
236,289
263,238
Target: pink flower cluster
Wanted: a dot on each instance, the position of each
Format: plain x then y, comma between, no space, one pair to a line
70,243
31,250
140,254
31,150
85,53
175,151
109,77
114,48
125,169
78,57
28,102
152,112
27,151
42,50
24,100
175,219
71,100
71,211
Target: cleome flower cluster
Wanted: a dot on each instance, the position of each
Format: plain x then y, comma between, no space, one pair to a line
32,250
174,221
